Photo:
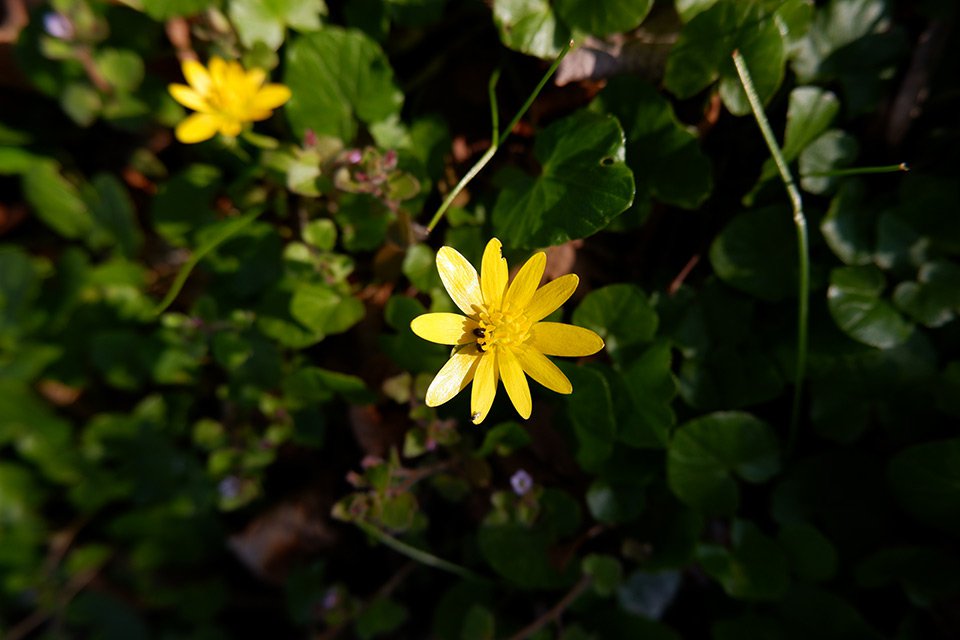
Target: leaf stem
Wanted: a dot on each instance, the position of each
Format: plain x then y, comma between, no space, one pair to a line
226,231
859,171
497,137
421,556
803,248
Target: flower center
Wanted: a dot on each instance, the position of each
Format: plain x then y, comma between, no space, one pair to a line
501,328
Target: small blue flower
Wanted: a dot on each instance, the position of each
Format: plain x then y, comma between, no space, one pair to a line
521,482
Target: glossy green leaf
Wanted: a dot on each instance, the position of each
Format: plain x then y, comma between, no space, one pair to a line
850,41
530,26
833,150
56,201
591,412
114,216
605,571
664,155
702,54
338,78
121,68
582,185
850,226
756,253
812,555
19,287
755,568
706,452
619,313
934,299
925,480
183,203
651,385
689,8
266,20
603,18
856,306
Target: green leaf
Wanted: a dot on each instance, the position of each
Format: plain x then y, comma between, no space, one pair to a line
322,234
689,8
649,594
337,78
652,388
19,287
583,184
925,480
56,201
590,408
114,216
756,253
121,68
619,313
706,451
606,571
266,20
702,54
504,438
663,154
182,203
530,27
609,17
812,555
934,299
851,41
855,304
166,9
850,226
81,102
755,568
834,149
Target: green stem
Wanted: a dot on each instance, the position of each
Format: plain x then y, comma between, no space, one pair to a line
859,171
421,556
800,221
224,233
497,137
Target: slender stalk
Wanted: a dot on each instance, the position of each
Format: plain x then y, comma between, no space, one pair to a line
225,232
556,611
421,556
803,244
860,171
497,137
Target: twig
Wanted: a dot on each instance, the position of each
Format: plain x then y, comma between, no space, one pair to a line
677,282
800,221
554,613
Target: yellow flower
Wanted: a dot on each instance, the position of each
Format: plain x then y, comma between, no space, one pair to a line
501,336
225,98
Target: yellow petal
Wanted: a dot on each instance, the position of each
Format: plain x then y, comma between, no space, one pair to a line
196,75
255,79
230,128
539,367
188,97
515,382
270,97
452,377
460,279
493,274
444,328
558,339
551,296
236,79
484,387
218,71
526,282
197,128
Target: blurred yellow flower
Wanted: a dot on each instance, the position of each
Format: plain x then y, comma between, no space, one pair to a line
226,97
501,336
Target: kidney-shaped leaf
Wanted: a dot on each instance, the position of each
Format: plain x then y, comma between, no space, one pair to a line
583,184
338,77
857,308
925,480
702,54
706,451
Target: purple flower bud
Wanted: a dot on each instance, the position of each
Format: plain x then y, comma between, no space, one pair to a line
229,487
521,482
309,138
354,156
58,25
